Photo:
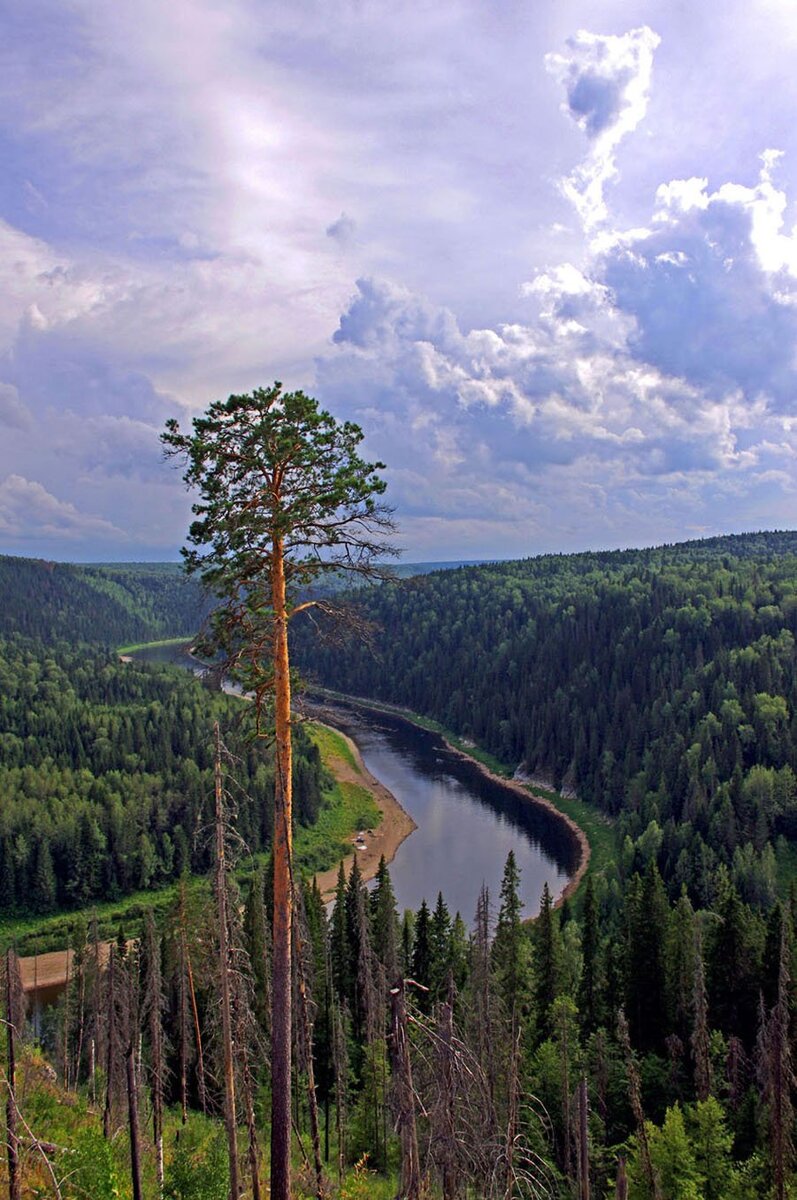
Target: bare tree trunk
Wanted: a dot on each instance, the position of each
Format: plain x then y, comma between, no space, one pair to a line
635,1093
230,1121
700,1030
185,953
96,1009
283,891
111,1047
154,1004
583,1139
621,1187
512,1107
449,1132
132,1108
66,1023
251,1129
183,1032
81,1003
410,1187
307,1045
341,1067
12,1018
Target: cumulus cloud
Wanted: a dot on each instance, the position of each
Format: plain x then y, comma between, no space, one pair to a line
607,81
711,287
13,413
28,512
169,238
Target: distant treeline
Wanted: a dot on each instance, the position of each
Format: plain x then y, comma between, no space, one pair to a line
105,604
659,684
106,776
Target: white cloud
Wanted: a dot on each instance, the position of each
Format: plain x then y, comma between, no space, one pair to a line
28,511
607,80
13,413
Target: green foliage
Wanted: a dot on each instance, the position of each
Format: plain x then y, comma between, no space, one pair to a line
92,1169
660,685
105,605
106,776
198,1169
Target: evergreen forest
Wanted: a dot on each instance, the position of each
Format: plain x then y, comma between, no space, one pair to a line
634,1042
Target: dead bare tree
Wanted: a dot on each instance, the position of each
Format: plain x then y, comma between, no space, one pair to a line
113,1042
14,1010
153,1007
305,1039
700,1028
410,1186
635,1093
583,1140
776,1076
230,1118
132,1108
340,1062
463,1138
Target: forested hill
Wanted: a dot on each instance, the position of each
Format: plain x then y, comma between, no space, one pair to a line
660,684
104,604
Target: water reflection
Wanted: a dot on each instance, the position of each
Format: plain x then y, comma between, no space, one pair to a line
467,823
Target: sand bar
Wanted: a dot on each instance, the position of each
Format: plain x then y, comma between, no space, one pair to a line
396,824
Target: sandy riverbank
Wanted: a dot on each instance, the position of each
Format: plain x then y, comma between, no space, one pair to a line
45,971
526,792
531,797
385,839
41,972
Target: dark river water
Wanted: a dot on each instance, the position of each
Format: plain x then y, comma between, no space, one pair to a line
467,824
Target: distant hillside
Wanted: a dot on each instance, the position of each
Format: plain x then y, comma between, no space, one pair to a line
660,684
104,604
112,603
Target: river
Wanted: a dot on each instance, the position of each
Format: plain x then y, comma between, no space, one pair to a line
467,823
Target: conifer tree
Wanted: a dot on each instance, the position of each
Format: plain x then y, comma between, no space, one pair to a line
588,984
384,922
546,967
284,497
422,953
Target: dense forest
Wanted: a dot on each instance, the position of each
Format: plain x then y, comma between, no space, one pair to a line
636,1042
106,776
108,604
659,685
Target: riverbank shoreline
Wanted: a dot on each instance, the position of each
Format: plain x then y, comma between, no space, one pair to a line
394,828
523,790
42,973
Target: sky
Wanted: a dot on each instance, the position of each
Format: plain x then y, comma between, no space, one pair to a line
544,253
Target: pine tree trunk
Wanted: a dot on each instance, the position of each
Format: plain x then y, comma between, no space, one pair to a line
583,1139
12,1137
154,997
111,1047
230,1121
635,1094
132,1108
183,1034
410,1188
621,1186
283,894
81,1028
312,1098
